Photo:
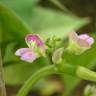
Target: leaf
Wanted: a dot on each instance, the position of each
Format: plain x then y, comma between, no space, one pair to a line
49,23
19,72
20,6
11,23
12,28
23,8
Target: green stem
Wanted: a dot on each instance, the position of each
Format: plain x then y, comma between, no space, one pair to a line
2,84
69,69
78,71
86,74
35,77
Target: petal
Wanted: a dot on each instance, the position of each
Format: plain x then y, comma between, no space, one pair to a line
83,36
33,37
73,36
83,43
21,51
29,57
90,40
30,37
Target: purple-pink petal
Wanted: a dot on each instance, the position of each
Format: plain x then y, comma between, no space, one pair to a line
87,38
29,57
82,40
90,41
21,51
32,37
83,36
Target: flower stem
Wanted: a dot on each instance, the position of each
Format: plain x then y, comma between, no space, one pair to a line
77,71
51,69
86,74
69,69
2,84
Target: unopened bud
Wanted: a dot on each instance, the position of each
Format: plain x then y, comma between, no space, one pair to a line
90,90
57,56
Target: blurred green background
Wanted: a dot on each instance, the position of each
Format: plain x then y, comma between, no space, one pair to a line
46,18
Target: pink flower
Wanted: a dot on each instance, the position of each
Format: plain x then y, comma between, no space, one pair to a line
82,40
89,40
35,50
79,43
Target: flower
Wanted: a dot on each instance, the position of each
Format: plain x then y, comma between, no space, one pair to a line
79,43
35,50
82,40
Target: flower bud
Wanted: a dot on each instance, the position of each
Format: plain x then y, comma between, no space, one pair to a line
79,43
57,56
53,42
90,90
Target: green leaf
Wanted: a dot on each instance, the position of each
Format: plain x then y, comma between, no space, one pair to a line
11,25
20,71
12,28
49,23
23,8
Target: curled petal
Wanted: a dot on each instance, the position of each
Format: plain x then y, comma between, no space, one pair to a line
21,51
83,43
83,40
90,41
73,36
87,38
32,37
83,36
29,57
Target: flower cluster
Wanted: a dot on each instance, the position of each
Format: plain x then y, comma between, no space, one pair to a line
36,47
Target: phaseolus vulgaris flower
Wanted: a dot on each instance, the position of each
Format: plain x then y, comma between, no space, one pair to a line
79,43
36,48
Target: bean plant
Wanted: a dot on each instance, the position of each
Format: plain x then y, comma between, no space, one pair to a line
36,42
